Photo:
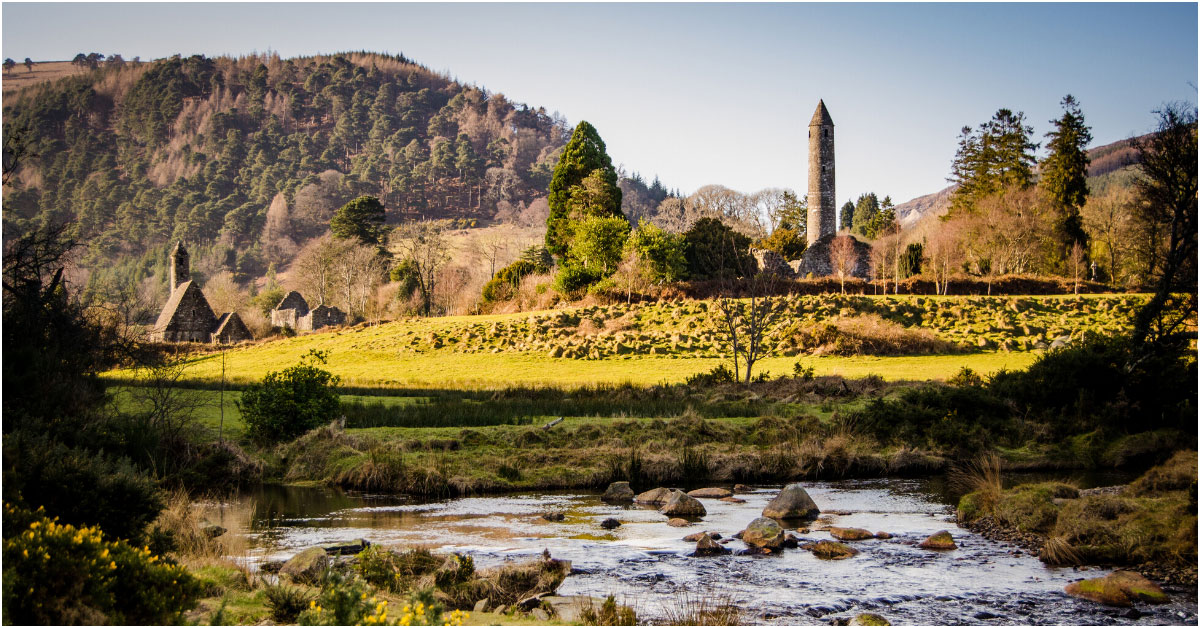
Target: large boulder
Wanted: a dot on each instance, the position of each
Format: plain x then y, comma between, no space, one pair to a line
618,493
939,541
792,502
869,619
683,505
655,497
714,493
850,534
306,567
1120,588
708,546
763,532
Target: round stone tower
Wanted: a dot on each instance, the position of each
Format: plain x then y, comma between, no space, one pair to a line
822,214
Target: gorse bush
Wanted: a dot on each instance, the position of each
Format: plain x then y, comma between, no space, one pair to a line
504,285
62,574
290,402
286,602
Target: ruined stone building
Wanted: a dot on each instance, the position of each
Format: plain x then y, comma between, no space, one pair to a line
822,206
187,317
293,312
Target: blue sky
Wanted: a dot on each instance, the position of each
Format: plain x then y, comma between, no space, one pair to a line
715,93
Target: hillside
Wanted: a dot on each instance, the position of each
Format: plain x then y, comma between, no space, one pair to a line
1108,163
250,156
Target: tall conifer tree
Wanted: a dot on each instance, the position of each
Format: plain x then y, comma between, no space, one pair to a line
1064,174
583,155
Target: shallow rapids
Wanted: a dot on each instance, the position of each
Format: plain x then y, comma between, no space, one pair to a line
645,562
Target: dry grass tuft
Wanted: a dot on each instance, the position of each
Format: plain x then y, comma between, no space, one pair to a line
703,609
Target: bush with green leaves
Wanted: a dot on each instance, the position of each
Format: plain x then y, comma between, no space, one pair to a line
715,251
63,574
290,402
287,602
572,279
661,252
788,243
507,280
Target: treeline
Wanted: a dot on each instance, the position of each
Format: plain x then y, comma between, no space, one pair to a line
255,153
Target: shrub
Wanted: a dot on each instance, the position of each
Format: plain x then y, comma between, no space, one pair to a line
286,603
62,574
573,279
395,571
79,487
290,402
716,251
609,614
508,279
720,374
786,242
661,251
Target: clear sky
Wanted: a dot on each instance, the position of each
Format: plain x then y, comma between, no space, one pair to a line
715,93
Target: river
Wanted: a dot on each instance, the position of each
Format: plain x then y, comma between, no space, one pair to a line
645,562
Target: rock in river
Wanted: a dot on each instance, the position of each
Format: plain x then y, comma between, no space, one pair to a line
610,523
692,538
869,619
683,505
618,493
707,546
763,532
792,502
657,496
714,493
831,550
1120,588
939,541
850,534
676,522
306,566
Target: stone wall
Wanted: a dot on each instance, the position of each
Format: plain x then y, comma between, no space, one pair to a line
817,261
322,316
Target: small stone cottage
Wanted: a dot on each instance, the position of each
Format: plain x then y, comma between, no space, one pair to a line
187,317
293,312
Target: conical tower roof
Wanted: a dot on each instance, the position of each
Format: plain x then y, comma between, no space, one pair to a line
821,116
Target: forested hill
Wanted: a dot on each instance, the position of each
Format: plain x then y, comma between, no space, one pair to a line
251,156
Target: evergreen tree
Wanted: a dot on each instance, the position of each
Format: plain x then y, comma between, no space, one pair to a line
996,155
584,155
847,217
361,218
865,211
1064,175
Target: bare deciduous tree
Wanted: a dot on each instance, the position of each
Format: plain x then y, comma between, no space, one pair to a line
1107,220
424,243
944,249
224,294
843,258
1076,259
313,269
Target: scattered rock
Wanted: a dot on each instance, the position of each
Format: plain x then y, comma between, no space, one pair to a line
792,502
348,549
741,488
482,605
882,535
618,493
610,524
683,505
791,541
213,531
540,614
553,516
707,546
939,541
676,522
850,534
713,493
657,496
733,500
529,603
1120,588
500,610
831,550
306,566
986,615
763,532
869,619
738,535
271,566
692,538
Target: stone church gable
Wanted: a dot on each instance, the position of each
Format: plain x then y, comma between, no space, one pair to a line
231,330
187,317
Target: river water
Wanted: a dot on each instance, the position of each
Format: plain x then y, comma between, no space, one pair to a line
645,562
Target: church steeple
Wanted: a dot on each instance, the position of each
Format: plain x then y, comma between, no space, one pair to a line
180,266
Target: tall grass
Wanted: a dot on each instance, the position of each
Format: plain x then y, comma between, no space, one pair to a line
701,609
981,476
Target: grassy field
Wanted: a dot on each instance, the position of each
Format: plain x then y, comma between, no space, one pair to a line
667,342
43,71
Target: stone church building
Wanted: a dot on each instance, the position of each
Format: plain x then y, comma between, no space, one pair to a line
293,312
187,317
